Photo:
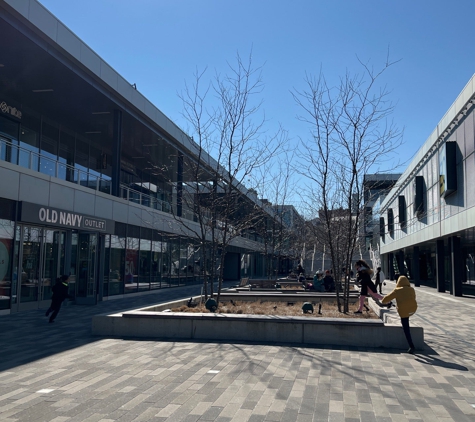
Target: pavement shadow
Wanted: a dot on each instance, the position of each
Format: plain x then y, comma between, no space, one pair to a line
434,361
429,356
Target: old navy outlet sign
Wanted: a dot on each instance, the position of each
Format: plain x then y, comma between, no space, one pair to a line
49,216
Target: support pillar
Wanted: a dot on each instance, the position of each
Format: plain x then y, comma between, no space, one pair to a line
415,267
391,266
440,264
179,186
116,153
455,256
67,253
400,263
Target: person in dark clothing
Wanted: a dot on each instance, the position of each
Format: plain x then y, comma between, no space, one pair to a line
60,293
379,280
363,276
328,282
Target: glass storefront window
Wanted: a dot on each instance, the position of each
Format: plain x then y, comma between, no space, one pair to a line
29,153
145,260
131,265
6,252
156,265
117,265
166,263
48,164
175,262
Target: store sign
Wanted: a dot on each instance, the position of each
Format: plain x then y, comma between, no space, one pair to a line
49,216
12,111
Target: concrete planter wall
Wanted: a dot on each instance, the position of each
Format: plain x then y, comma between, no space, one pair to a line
152,323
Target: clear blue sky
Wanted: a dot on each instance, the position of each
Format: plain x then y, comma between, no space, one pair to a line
158,45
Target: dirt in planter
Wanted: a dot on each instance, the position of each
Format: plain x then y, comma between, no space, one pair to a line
328,309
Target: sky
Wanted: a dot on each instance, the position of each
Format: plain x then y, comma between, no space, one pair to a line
158,45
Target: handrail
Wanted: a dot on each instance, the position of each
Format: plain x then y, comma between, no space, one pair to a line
32,160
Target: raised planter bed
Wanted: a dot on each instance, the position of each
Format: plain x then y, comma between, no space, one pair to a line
152,322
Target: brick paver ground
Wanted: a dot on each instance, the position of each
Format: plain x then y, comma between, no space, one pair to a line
59,372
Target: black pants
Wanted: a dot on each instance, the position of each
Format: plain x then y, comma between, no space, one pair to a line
378,283
407,331
55,307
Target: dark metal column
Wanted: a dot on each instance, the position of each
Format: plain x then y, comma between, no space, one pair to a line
400,263
101,262
440,263
179,186
116,152
455,255
391,266
415,267
67,252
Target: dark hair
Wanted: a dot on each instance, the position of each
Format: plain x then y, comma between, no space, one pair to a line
362,263
63,278
378,269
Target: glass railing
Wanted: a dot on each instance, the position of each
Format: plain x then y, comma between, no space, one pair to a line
141,198
46,165
35,161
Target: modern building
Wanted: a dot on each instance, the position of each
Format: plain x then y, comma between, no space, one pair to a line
91,175
375,188
427,221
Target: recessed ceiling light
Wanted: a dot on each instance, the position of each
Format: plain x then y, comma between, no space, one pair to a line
43,90
93,132
101,112
2,65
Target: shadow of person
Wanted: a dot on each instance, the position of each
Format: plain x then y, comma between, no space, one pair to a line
430,360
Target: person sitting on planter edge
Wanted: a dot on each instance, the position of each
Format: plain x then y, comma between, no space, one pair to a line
318,282
328,282
405,296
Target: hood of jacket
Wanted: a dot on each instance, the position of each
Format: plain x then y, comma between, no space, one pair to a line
402,281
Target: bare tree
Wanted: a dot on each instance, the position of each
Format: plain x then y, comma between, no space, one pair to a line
351,134
275,184
230,126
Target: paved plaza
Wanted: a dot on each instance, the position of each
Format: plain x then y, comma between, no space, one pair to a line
59,372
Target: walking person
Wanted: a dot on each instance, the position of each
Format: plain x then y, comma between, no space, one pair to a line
379,280
405,296
60,293
363,276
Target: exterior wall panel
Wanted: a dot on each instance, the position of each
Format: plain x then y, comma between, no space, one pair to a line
33,189
62,197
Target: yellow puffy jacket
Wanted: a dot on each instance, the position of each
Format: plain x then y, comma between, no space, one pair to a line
405,297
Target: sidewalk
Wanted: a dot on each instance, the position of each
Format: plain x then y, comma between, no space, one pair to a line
59,372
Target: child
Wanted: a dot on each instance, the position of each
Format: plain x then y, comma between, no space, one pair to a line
60,292
406,304
363,276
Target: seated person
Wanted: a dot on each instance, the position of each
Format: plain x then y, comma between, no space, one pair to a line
328,282
318,282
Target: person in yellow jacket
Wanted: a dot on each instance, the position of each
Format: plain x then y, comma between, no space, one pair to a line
406,304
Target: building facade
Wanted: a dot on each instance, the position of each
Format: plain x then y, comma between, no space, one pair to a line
427,221
91,175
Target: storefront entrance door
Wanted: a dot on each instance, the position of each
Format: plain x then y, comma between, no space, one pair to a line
86,258
42,262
